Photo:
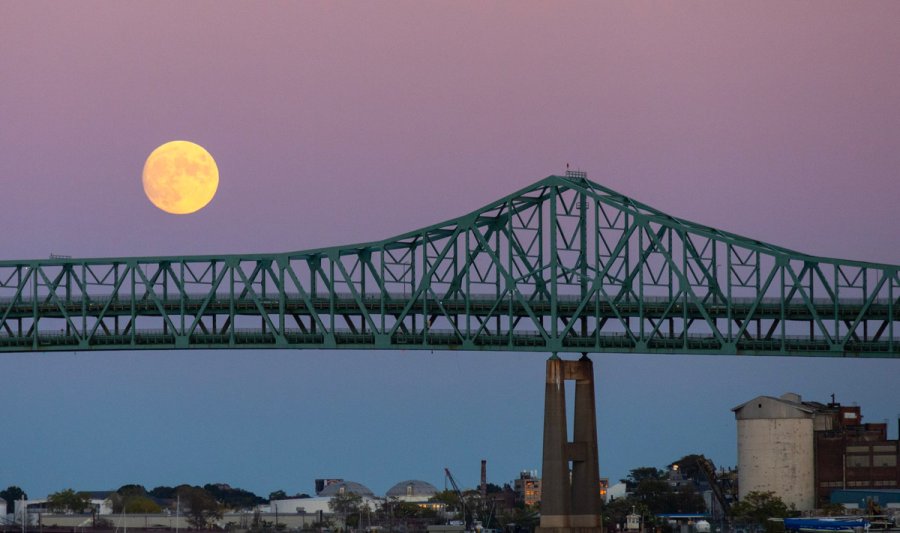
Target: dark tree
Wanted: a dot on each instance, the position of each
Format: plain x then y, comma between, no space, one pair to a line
447,497
282,495
615,511
200,506
692,467
164,493
649,487
11,494
643,473
132,489
348,506
69,500
656,494
687,500
233,498
492,488
132,499
757,507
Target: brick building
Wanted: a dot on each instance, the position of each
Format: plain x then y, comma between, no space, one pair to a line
854,455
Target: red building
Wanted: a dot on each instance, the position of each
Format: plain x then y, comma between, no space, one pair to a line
850,454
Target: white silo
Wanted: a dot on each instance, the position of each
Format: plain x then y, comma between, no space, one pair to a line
775,449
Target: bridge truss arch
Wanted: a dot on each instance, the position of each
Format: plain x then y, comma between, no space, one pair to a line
565,265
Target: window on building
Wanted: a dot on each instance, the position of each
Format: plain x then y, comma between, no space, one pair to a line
884,460
857,461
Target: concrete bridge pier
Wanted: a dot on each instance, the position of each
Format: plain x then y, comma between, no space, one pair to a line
570,482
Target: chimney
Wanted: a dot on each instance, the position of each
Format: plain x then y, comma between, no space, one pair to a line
483,480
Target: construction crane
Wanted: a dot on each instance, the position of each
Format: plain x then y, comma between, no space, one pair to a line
462,501
709,471
706,468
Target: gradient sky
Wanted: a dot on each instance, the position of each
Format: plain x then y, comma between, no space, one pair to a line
344,122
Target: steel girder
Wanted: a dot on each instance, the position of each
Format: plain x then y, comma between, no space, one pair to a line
564,265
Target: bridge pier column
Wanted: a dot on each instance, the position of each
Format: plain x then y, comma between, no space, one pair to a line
570,496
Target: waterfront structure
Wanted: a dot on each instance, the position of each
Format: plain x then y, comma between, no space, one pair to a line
804,450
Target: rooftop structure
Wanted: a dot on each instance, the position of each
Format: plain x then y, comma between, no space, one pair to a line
346,487
412,490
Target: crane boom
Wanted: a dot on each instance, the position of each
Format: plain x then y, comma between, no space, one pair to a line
462,501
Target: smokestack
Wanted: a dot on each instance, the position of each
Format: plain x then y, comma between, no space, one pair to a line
483,479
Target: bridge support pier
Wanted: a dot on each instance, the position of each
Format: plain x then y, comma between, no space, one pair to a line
570,483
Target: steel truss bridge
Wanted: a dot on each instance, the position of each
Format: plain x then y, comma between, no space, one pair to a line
564,265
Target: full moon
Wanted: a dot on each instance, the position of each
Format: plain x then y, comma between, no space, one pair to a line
180,177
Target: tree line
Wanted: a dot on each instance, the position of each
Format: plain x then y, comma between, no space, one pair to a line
200,505
650,492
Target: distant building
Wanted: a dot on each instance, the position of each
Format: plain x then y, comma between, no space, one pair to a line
33,509
618,490
322,483
412,490
346,487
320,504
804,450
528,488
302,506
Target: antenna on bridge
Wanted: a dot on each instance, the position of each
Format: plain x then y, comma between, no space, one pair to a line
575,174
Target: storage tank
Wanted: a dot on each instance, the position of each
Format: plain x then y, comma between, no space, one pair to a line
775,449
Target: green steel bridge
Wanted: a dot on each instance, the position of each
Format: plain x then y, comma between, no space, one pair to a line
564,265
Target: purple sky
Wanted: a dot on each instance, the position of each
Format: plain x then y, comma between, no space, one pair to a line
338,123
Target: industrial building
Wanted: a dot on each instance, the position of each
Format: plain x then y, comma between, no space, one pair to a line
528,488
803,451
854,455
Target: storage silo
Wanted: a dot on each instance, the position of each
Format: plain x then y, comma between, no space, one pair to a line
775,449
